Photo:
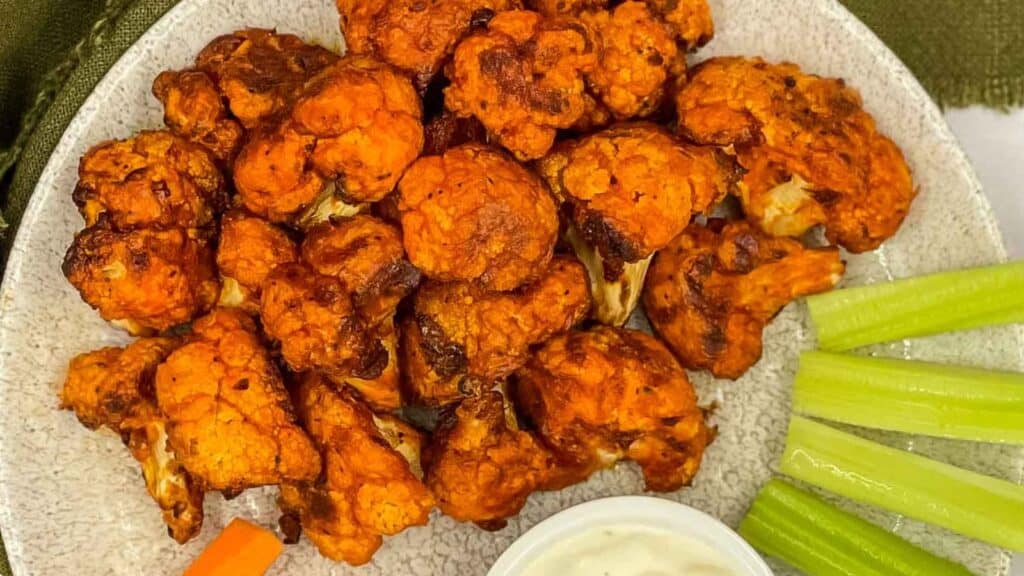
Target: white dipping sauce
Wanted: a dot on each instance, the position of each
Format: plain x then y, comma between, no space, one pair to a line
630,550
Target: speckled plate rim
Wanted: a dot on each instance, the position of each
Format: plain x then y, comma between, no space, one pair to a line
887,61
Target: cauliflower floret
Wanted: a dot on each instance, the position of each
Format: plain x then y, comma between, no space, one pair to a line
480,466
368,488
155,179
113,388
260,72
639,55
413,35
232,424
522,78
273,176
628,191
712,291
474,214
318,327
144,280
461,339
103,387
689,20
356,127
366,254
610,393
366,119
195,110
249,250
812,155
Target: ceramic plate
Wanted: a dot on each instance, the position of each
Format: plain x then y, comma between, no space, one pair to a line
72,502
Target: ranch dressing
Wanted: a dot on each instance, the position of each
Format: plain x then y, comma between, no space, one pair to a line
630,550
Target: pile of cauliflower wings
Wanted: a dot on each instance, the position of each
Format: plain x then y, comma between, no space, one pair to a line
456,219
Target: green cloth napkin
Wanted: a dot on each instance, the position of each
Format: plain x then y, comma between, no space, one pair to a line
53,52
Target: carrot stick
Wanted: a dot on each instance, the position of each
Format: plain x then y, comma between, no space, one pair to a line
241,549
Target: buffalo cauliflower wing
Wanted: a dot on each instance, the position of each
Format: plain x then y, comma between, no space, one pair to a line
412,35
461,339
523,78
103,387
480,466
366,118
366,254
143,280
318,327
473,214
628,190
113,387
155,179
260,72
711,292
638,56
368,489
812,155
248,251
273,173
689,21
598,396
356,127
232,424
195,110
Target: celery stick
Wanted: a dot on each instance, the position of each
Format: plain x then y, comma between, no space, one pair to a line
975,505
946,302
913,397
819,539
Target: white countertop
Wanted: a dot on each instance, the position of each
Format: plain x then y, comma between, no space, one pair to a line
994,141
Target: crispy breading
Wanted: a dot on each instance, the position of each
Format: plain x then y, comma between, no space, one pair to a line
812,154
522,78
232,423
414,35
638,56
154,179
273,173
633,187
711,292
195,110
249,250
104,386
317,325
475,215
356,125
366,119
367,490
480,466
113,387
461,339
260,72
366,254
610,393
145,279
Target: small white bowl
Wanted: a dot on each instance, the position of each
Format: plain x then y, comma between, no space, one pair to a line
644,511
